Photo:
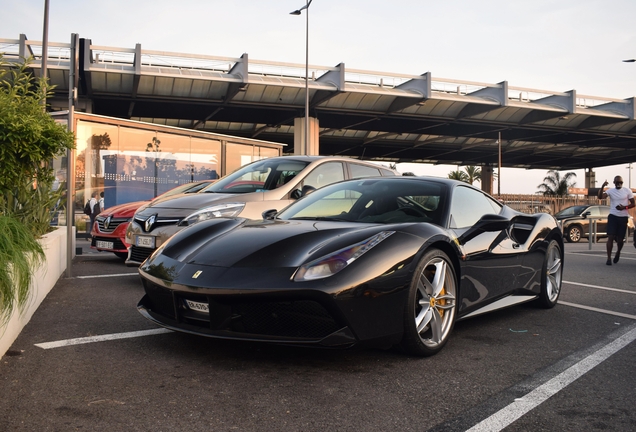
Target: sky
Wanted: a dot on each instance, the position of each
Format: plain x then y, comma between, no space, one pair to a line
540,44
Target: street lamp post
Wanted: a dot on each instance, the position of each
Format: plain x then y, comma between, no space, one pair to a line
298,12
45,47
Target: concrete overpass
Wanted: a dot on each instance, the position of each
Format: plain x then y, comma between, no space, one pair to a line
363,114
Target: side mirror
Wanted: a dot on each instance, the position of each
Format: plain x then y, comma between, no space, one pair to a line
299,193
296,193
269,214
307,190
586,214
487,223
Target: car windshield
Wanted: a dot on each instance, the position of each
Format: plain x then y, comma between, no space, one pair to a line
186,188
258,176
372,201
571,211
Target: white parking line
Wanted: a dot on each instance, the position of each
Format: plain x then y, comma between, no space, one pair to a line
600,287
106,275
91,339
536,397
605,311
600,255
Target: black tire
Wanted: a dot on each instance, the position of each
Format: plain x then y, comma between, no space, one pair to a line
430,311
122,255
551,276
574,234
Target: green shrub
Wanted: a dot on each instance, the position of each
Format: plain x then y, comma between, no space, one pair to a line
29,141
20,255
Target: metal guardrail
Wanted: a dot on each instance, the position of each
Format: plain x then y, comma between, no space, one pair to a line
593,236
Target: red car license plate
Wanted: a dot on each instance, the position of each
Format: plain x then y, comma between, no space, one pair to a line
104,244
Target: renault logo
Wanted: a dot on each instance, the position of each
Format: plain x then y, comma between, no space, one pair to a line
107,222
149,223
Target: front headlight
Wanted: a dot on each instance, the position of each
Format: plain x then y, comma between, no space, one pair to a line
216,211
331,264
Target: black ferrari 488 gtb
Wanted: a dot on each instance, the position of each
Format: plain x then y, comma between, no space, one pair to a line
378,261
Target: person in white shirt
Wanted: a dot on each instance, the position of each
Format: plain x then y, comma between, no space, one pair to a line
621,199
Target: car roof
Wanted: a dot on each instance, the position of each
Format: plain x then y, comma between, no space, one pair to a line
310,159
443,180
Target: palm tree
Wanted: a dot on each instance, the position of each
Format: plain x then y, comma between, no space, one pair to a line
458,175
473,172
555,185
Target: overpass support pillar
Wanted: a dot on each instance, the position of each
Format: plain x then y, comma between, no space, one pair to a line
313,149
486,179
590,178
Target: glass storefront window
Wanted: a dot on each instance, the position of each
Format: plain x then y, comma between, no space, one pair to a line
127,161
205,159
94,142
237,155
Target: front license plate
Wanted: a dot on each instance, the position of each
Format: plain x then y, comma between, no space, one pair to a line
198,306
145,241
104,244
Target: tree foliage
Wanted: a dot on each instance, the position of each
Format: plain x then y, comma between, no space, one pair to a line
458,175
470,174
556,185
29,140
473,173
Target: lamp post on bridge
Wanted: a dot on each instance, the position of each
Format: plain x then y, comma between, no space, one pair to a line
298,12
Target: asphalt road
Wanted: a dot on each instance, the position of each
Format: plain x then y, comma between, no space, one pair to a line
520,369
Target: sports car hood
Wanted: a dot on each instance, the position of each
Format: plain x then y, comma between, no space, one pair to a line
189,202
241,243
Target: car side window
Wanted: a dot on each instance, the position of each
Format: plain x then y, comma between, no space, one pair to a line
359,171
324,175
601,211
469,205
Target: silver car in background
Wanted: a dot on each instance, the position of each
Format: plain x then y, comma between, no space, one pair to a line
262,185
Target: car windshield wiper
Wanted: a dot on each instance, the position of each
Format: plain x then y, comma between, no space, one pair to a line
321,218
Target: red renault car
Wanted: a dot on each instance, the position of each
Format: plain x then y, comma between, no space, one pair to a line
109,230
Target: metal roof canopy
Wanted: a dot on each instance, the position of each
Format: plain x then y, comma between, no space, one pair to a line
363,114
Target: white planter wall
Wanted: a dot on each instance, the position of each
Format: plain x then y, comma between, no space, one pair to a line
54,245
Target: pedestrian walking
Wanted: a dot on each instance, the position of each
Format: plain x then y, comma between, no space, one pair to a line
93,205
621,199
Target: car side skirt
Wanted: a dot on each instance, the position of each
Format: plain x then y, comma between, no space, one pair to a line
500,304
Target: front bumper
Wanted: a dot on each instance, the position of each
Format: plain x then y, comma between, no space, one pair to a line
138,254
264,304
283,321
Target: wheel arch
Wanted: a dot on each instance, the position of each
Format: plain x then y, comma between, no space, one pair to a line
450,251
556,234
